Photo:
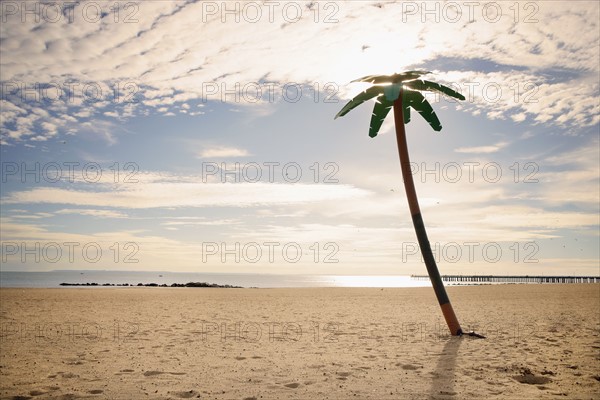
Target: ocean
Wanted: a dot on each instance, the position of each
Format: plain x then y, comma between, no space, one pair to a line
53,279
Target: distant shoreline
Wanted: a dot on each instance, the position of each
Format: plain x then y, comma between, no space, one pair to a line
113,279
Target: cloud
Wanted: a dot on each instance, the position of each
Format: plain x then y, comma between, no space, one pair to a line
187,194
118,249
100,130
191,221
575,173
164,58
33,216
482,149
535,94
223,152
93,212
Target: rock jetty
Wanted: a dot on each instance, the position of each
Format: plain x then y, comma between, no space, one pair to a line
189,284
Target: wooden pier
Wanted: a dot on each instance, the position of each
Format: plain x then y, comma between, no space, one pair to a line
478,279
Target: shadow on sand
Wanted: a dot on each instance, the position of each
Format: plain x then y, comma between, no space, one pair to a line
444,376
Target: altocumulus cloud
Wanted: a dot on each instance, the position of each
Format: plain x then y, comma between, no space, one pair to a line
57,75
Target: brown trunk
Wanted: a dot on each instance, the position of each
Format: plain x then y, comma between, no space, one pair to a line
415,211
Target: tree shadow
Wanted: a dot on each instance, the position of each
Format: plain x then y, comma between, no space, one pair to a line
444,375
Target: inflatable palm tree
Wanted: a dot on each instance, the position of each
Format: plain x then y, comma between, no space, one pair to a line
403,92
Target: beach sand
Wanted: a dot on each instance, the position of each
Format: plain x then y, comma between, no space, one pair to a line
543,341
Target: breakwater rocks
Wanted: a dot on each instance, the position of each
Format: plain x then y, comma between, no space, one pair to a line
189,284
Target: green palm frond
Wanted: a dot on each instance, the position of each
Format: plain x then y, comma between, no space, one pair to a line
433,87
380,111
388,88
417,101
359,99
405,107
395,78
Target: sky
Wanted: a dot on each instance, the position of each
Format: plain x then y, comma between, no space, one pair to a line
199,136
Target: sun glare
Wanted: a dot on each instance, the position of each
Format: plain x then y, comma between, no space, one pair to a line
378,281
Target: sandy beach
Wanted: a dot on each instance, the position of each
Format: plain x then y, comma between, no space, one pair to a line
543,341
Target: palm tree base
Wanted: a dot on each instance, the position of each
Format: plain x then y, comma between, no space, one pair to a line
451,319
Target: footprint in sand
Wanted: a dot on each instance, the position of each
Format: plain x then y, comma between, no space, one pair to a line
447,393
408,367
153,373
292,385
69,396
531,379
343,375
187,394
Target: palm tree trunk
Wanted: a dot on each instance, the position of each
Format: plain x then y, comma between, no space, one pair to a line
415,211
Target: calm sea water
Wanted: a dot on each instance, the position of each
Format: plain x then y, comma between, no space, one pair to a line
52,279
